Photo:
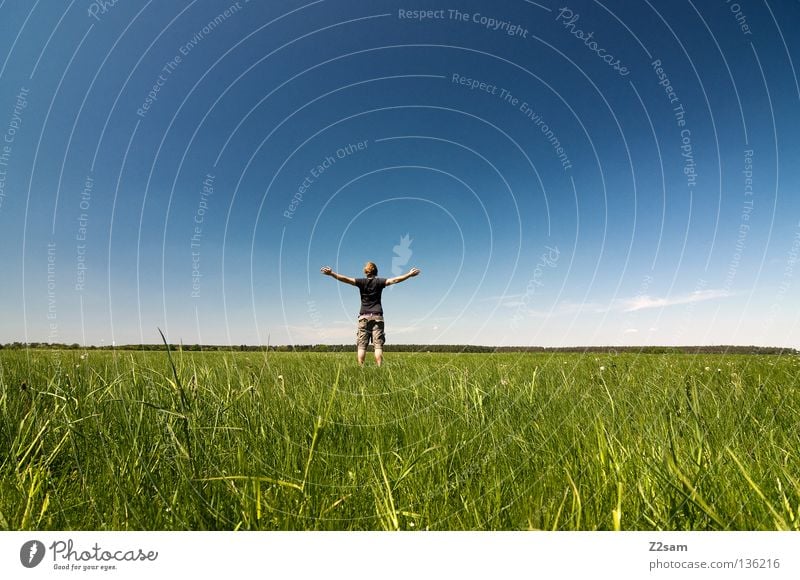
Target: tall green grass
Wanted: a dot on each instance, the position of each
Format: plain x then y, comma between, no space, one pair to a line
124,441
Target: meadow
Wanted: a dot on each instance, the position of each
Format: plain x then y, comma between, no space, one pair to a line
105,440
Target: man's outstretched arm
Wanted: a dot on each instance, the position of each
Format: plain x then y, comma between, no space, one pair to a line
411,273
328,272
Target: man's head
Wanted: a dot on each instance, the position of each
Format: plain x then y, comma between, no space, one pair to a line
370,269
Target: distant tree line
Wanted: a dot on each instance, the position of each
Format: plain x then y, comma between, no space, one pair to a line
421,348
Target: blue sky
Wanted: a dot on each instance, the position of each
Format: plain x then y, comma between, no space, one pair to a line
579,173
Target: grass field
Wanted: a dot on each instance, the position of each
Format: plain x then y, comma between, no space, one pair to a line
307,441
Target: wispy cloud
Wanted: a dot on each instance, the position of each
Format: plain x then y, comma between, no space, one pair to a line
633,304
527,301
564,308
507,300
647,302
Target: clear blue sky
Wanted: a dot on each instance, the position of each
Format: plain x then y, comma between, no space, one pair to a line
579,173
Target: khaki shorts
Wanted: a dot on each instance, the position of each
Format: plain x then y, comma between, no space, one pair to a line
370,328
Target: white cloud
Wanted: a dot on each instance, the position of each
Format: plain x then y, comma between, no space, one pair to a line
506,300
647,302
567,308
563,308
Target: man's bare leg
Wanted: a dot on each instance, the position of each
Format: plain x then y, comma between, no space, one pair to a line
379,356
362,354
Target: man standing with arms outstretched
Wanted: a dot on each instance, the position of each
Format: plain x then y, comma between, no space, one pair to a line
370,317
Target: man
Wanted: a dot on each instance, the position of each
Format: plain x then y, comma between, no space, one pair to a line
370,317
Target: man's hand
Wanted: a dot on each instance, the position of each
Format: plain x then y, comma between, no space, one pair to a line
328,272
410,274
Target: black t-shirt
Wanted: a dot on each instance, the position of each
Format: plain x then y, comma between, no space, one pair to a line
371,290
